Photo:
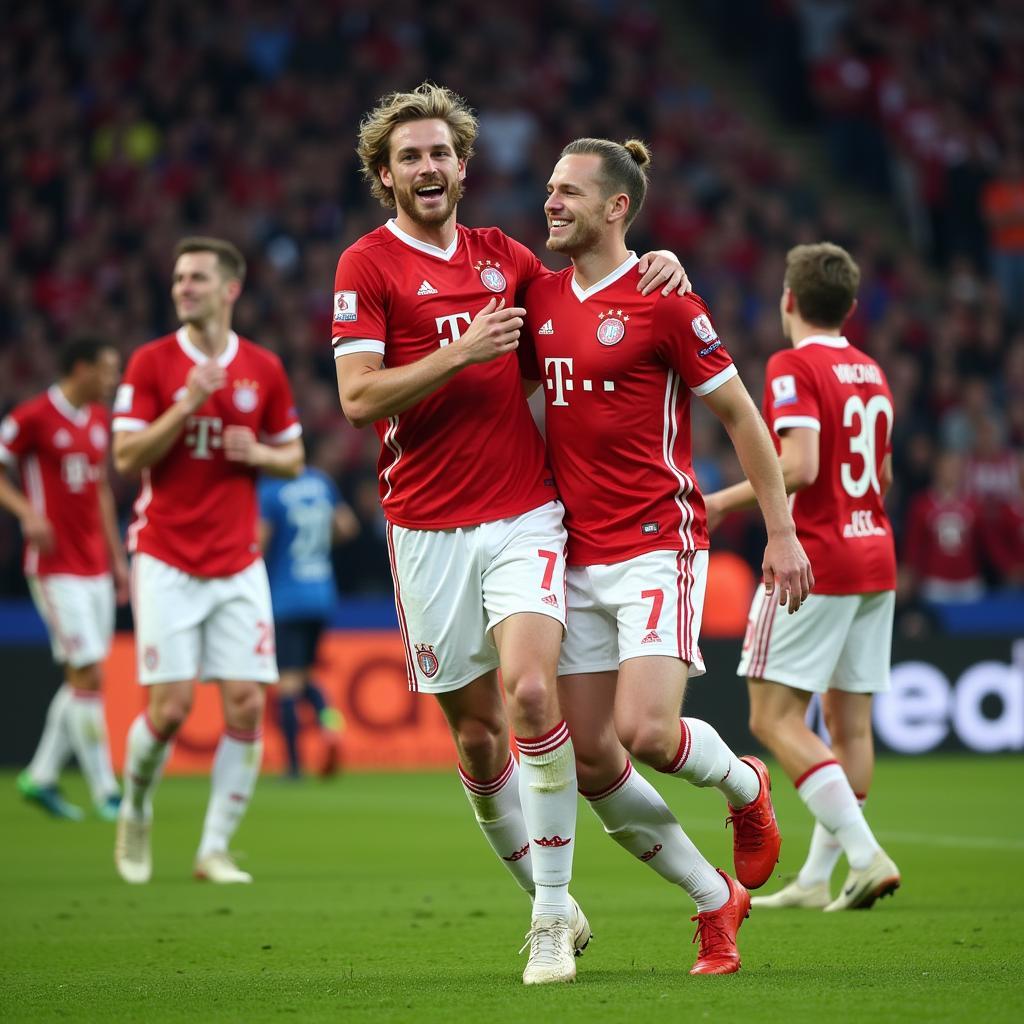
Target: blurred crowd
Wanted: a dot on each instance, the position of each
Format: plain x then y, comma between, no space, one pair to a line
126,125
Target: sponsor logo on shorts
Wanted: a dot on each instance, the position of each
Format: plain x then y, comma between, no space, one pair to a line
427,660
150,658
651,854
649,528
554,841
651,638
518,855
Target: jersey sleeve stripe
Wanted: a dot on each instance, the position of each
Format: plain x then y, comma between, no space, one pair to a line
785,422
7,456
128,424
348,346
282,436
716,382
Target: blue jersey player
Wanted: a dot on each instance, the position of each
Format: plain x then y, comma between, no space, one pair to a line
299,521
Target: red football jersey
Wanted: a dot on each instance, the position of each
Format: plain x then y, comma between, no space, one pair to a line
618,368
470,452
61,452
830,386
944,538
195,509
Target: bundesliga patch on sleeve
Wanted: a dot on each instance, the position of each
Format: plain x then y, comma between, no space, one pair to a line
345,305
705,331
124,398
784,390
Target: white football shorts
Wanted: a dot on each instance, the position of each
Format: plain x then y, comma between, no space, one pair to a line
79,615
834,642
648,605
193,627
452,587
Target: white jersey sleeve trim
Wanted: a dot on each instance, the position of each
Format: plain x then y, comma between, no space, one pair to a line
283,436
785,422
349,346
128,424
716,382
7,457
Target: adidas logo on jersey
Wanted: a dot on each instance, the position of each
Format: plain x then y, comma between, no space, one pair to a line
550,599
651,638
546,328
427,289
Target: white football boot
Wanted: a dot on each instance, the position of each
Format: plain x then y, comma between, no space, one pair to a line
812,897
579,926
220,868
861,888
131,850
552,957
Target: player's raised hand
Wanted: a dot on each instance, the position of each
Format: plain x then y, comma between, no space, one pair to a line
37,530
493,332
661,269
240,444
202,380
787,570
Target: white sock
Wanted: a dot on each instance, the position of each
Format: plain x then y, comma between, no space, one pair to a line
638,819
499,814
704,759
145,755
547,791
236,767
87,729
54,746
827,793
822,856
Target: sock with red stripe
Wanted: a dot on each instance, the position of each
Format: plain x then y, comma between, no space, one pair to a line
704,759
54,747
499,814
638,819
822,855
236,767
146,754
87,730
547,791
829,797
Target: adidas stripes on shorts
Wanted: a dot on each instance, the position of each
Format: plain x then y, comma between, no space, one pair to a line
649,605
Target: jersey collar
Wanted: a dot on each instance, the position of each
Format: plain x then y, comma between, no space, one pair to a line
623,268
224,359
70,412
415,243
828,340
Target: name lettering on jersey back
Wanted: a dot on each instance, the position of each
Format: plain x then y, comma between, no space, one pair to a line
203,434
559,379
451,324
862,524
857,373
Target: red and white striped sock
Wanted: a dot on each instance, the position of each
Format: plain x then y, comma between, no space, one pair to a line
145,756
547,791
704,759
823,853
828,795
638,819
499,814
236,767
87,730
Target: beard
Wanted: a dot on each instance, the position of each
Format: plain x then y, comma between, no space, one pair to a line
405,199
583,236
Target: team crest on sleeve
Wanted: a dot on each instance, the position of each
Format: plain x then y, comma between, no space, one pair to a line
704,329
491,276
345,306
612,328
246,396
124,398
427,660
784,390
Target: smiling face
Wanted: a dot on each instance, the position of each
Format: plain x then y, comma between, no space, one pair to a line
577,209
423,172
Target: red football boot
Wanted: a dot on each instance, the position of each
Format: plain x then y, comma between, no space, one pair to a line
717,930
755,833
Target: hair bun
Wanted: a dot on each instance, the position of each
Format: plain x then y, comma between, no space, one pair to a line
638,151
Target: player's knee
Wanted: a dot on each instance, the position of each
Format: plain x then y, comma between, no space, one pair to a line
651,743
481,741
169,714
533,699
843,731
243,709
594,766
89,677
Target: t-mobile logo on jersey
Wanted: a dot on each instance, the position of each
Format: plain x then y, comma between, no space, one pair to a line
203,434
451,324
559,379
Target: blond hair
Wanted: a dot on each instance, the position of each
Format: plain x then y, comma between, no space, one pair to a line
229,257
426,102
823,279
623,168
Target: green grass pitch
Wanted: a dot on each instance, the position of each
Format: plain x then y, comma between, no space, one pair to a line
376,899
